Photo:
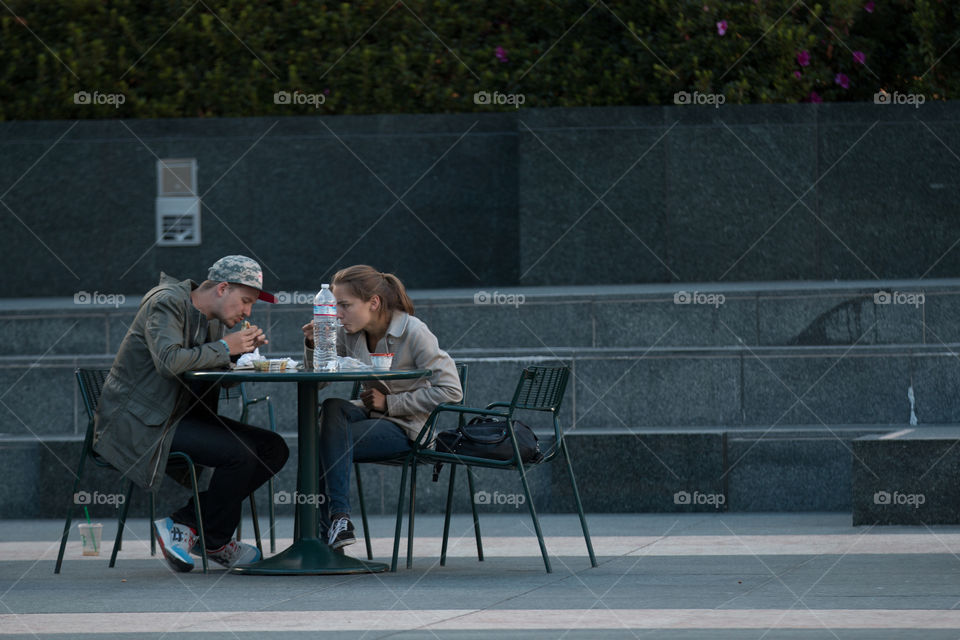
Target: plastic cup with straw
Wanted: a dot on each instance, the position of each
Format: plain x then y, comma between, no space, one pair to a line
89,541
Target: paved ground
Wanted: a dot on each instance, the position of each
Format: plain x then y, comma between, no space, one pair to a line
685,576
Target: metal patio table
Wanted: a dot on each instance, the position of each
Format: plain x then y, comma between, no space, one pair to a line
308,554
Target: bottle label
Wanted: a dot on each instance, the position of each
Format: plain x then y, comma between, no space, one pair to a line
325,310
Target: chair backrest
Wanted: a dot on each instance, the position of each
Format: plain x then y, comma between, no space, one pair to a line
540,389
91,382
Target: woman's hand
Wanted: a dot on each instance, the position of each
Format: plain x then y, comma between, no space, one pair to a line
308,334
374,400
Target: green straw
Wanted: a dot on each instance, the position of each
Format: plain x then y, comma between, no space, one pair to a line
92,537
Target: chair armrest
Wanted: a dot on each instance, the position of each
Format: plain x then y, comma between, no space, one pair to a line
426,433
498,404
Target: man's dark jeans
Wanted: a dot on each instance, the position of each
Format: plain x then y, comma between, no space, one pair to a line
244,457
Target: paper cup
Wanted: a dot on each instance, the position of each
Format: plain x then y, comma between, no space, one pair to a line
279,364
90,535
381,360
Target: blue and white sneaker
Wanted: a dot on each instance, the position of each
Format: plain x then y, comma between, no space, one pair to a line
176,540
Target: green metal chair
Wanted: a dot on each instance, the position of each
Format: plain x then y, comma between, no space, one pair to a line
399,460
91,382
539,389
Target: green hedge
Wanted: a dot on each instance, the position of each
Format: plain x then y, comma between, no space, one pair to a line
176,58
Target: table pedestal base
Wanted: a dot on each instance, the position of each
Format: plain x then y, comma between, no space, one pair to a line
309,556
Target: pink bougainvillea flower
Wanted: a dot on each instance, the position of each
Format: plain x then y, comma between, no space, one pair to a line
722,27
842,80
869,7
814,97
860,57
803,58
797,75
501,54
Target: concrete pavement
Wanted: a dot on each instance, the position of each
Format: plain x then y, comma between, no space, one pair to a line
728,575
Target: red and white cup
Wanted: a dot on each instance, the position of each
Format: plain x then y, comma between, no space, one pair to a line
381,360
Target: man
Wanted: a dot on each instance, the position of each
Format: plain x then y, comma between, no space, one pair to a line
146,409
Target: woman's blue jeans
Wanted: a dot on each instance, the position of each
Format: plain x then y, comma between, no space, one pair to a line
348,434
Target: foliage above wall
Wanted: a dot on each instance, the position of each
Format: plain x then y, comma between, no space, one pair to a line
186,58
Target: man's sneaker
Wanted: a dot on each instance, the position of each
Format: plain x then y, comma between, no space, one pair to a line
341,533
234,553
176,541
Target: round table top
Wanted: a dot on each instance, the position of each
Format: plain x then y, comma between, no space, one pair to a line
299,375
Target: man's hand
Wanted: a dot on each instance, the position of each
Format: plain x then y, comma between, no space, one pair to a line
308,334
374,400
245,340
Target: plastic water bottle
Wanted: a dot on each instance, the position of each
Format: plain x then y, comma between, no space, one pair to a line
325,330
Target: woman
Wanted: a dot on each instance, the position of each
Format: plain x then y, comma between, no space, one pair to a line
376,316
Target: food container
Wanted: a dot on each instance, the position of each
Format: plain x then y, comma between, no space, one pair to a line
381,360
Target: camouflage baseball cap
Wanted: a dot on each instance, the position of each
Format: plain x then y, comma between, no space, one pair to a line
241,270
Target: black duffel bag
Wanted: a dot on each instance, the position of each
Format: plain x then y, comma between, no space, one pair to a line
485,437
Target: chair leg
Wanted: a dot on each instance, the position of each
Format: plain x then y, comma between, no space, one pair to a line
197,514
396,532
363,511
153,516
476,517
68,521
413,506
273,516
446,516
296,515
121,523
576,497
256,524
533,514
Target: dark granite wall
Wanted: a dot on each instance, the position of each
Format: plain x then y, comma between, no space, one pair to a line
531,197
